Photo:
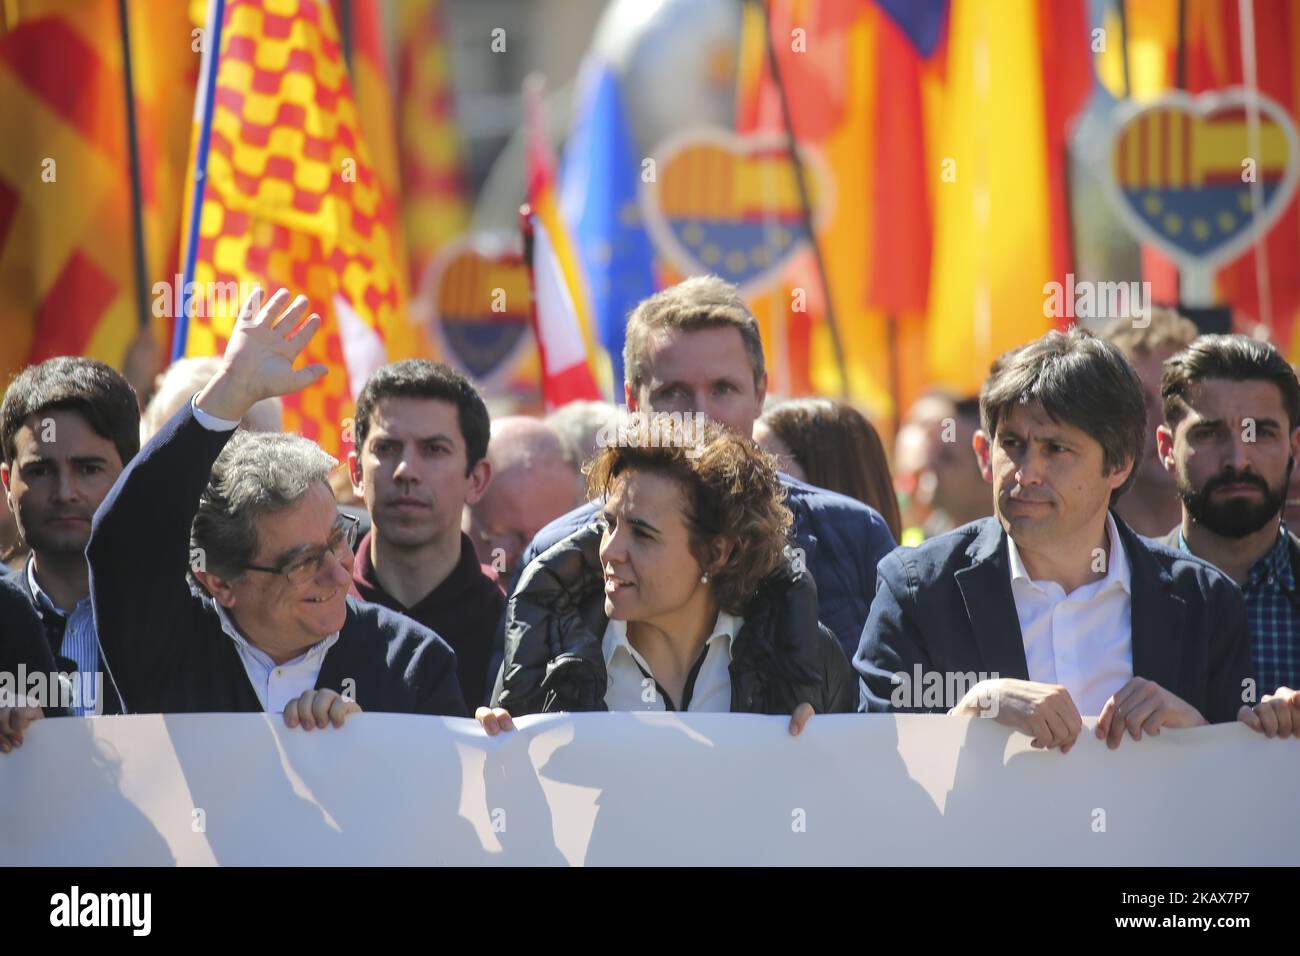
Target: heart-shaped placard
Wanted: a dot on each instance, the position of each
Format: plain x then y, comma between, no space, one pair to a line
476,297
729,204
1187,175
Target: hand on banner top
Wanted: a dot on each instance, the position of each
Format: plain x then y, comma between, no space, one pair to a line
1143,705
1045,712
494,720
258,363
14,720
1277,715
319,708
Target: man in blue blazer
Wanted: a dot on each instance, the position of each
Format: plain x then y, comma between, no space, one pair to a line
1054,608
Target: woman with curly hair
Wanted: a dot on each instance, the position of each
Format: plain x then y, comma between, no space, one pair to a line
683,596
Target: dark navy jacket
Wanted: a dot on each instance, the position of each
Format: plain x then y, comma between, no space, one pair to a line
947,607
23,643
165,645
842,540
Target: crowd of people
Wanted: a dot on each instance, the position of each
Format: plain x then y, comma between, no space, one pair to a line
1101,532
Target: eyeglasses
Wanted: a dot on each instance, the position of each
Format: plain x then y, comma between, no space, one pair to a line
306,566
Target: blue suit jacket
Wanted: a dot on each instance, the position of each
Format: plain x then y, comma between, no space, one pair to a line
947,607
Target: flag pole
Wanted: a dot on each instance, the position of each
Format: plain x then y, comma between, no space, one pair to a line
133,157
345,34
203,107
805,204
526,234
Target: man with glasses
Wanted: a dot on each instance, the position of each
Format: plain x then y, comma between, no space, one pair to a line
264,621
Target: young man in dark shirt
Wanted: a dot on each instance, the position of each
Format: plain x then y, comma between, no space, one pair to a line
420,456
270,626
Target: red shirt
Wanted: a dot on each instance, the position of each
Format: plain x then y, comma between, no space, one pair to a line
463,610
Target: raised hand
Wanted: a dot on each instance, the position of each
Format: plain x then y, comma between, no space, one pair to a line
259,358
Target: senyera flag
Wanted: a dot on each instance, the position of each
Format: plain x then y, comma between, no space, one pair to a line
571,366
285,194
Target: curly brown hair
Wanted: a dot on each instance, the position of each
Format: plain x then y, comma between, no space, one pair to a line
729,486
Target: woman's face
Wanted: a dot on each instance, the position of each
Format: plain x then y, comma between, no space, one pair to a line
650,572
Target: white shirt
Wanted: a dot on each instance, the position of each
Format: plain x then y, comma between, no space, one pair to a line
1082,640
276,684
631,685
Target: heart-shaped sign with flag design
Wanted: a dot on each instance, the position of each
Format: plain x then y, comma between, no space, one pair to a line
730,205
1198,177
477,298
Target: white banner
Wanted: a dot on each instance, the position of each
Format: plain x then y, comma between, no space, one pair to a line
646,789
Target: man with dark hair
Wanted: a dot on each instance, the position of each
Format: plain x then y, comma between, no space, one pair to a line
1150,506
419,457
68,426
269,625
1054,608
694,348
1230,436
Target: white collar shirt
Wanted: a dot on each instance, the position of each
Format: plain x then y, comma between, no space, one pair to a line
631,685
277,684
1082,640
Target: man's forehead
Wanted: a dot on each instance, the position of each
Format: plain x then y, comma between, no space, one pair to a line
61,434
305,523
673,352
1031,419
402,417
1211,397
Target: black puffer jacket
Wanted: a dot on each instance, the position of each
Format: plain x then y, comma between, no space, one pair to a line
555,622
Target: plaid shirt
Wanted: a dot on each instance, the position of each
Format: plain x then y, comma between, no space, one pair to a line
1273,616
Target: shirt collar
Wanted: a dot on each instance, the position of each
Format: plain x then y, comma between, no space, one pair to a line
726,626
462,577
1118,571
1276,564
41,597
317,650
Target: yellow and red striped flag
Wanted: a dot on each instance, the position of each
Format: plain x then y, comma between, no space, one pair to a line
290,197
67,268
434,208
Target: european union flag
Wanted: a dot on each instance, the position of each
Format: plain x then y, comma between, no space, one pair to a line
598,197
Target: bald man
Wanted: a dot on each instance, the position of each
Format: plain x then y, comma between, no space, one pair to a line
534,481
